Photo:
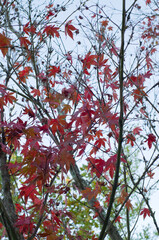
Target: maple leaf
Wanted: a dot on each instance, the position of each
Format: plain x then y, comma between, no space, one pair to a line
145,212
148,2
147,75
81,149
66,108
149,62
69,57
4,44
98,206
53,70
28,192
128,205
51,30
88,61
101,61
131,139
50,13
111,164
65,159
122,196
89,194
55,218
114,50
110,28
2,89
19,208
69,28
23,75
105,23
28,29
97,166
100,142
36,92
29,111
98,134
137,81
150,174
137,130
151,139
24,42
112,119
118,219
25,224
8,97
138,94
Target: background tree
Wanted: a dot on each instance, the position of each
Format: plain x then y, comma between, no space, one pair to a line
79,113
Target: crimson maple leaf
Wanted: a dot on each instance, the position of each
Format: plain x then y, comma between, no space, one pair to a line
131,139
137,130
118,219
150,173
145,212
24,224
35,92
148,2
101,61
4,44
96,165
88,61
51,30
111,164
23,75
69,28
9,97
24,42
29,111
28,29
151,139
53,70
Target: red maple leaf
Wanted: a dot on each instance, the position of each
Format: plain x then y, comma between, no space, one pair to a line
148,2
100,142
28,29
23,75
101,61
131,139
88,61
24,224
105,23
111,164
69,28
8,97
151,139
29,111
4,44
53,71
137,130
51,30
96,165
35,92
89,194
145,212
28,192
24,42
150,173
118,219
147,75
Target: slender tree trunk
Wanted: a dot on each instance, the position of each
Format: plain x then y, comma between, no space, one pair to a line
7,211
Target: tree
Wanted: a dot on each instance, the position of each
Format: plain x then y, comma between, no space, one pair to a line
79,141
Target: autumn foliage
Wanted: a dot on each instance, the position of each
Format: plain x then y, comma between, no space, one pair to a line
79,115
